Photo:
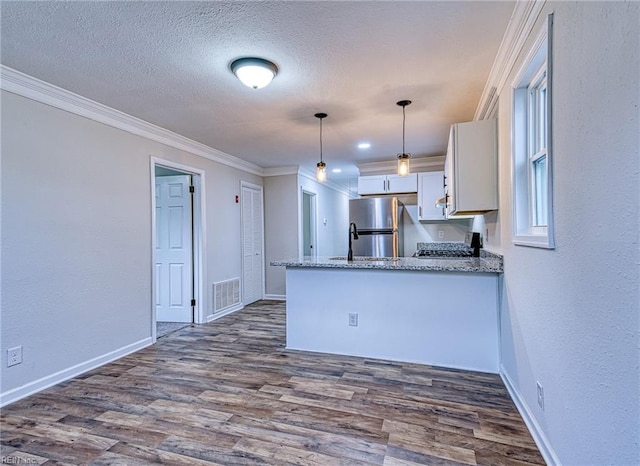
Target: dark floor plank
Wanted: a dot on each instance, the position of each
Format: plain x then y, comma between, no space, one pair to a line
230,393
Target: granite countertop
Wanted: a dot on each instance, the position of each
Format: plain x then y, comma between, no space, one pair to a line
487,263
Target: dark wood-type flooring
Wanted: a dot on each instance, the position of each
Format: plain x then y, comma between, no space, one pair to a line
229,393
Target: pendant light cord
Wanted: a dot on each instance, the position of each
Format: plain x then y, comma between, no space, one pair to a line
320,139
320,116
403,118
403,104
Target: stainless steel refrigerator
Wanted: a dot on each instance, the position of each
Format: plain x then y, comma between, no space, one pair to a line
379,224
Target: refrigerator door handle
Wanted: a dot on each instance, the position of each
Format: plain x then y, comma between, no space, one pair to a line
388,231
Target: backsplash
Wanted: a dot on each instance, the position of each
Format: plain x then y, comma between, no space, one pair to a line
428,232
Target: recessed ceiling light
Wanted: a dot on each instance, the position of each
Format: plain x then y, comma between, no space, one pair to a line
364,145
337,170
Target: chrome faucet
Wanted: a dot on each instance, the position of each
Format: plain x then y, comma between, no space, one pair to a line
352,230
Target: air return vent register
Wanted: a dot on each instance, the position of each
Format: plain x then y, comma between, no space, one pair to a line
226,294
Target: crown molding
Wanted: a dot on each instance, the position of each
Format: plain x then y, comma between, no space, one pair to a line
32,88
521,24
391,166
306,173
280,171
311,175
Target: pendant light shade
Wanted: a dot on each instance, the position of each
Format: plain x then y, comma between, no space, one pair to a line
321,167
254,72
321,172
404,161
404,158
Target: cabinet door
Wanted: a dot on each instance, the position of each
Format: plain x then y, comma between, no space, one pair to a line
449,180
430,189
402,184
376,184
474,168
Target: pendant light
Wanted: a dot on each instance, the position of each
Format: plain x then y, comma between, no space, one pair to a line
321,167
254,72
404,158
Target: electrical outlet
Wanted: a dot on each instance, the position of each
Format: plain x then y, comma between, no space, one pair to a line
353,319
540,395
440,234
14,356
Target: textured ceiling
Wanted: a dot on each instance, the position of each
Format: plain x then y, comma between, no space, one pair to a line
167,63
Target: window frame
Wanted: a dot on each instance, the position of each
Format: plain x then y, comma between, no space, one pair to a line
531,142
537,144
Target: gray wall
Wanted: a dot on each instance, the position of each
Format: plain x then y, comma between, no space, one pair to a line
281,228
76,238
569,317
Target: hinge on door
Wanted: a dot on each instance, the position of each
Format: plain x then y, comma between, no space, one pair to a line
192,189
193,302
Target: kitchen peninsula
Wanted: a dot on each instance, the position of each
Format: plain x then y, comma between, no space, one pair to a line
437,311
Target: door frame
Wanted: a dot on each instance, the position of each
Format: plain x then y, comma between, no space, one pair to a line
313,216
199,237
257,187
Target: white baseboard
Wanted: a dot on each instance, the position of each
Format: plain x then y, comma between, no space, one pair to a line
217,315
546,450
36,386
276,297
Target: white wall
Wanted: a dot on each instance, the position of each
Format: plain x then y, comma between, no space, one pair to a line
570,316
416,231
76,240
333,205
283,224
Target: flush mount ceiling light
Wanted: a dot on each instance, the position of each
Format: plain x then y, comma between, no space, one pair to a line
254,72
404,158
321,167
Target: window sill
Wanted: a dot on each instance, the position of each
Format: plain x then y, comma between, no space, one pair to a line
534,241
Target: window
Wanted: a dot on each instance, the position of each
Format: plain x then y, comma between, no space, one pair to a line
537,149
531,151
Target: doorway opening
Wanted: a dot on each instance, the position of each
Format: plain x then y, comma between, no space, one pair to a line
309,230
252,227
177,249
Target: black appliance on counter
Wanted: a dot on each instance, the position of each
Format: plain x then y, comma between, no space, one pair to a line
472,239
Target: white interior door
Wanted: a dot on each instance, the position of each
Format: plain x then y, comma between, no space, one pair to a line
252,253
174,270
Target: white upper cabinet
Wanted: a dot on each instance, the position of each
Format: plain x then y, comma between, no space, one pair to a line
388,184
430,188
471,169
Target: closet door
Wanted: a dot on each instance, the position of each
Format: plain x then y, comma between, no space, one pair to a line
252,244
